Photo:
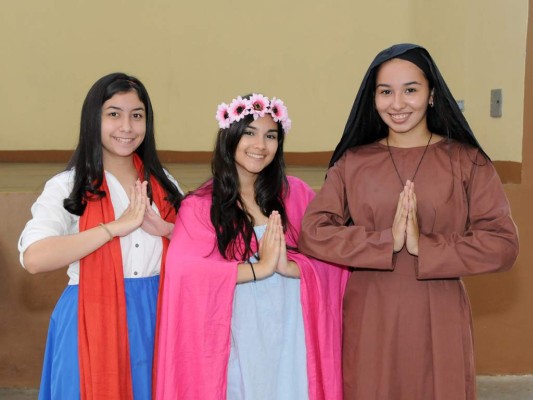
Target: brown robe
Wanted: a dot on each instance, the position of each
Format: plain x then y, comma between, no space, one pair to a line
407,320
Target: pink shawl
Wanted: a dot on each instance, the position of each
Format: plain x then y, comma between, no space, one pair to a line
197,300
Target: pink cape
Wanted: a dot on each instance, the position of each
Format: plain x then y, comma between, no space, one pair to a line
197,300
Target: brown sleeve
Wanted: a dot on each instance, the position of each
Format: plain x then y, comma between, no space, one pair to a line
325,234
489,242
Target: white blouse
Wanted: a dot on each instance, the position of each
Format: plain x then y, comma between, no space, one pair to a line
141,252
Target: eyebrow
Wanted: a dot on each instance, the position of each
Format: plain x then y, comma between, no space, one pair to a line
403,84
270,130
118,108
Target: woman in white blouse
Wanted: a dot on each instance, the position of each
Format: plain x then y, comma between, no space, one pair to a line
108,217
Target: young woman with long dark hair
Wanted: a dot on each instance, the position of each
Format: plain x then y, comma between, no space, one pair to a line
108,217
244,314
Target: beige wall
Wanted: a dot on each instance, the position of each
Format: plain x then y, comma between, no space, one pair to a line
193,55
39,113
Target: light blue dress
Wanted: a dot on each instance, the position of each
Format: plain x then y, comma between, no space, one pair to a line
268,356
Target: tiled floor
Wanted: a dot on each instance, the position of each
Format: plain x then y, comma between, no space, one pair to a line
489,388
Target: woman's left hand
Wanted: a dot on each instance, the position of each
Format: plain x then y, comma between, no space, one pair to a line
412,232
154,224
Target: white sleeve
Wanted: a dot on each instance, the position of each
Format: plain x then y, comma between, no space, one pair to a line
173,180
49,217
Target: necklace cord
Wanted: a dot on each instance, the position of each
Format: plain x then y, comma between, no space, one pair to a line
419,162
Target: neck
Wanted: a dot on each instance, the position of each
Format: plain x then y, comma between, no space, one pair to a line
121,167
247,193
406,140
246,183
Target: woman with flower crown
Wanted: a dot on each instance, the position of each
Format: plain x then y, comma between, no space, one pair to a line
243,314
412,203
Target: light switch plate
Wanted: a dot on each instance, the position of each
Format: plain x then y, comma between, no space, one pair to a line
496,103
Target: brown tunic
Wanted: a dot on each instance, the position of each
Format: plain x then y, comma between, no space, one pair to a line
407,320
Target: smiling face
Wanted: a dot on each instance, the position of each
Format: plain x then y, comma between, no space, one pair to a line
257,147
402,95
123,126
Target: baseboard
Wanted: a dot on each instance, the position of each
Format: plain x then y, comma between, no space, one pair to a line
509,171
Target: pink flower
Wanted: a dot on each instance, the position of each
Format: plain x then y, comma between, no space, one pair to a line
286,125
238,109
278,110
258,105
222,116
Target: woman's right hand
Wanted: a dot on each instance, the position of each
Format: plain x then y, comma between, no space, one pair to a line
270,247
399,224
269,253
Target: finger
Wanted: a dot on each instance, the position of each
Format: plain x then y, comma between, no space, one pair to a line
140,201
399,206
279,228
282,242
412,213
267,236
144,190
404,205
132,198
276,224
406,202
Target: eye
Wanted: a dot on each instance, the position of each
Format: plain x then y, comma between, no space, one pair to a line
138,116
410,90
249,133
385,91
272,136
113,114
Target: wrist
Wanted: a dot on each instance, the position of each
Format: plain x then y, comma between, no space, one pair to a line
253,270
293,270
262,271
170,230
108,231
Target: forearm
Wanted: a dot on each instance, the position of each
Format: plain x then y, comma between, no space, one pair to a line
248,272
292,270
56,252
457,255
348,245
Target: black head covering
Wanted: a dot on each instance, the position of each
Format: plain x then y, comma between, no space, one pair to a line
364,124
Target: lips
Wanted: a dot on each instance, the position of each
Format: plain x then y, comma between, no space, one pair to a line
256,156
398,118
123,140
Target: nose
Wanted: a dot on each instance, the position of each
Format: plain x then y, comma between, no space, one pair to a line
125,124
260,141
398,101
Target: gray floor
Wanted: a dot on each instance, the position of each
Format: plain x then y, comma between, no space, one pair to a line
489,388
505,387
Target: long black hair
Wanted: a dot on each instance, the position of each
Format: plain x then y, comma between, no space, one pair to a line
87,159
364,124
229,216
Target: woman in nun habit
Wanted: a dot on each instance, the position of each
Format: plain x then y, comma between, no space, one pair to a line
412,204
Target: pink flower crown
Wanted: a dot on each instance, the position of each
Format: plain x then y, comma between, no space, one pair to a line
257,105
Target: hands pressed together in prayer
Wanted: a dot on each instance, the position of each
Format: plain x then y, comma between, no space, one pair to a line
273,249
405,230
140,214
273,252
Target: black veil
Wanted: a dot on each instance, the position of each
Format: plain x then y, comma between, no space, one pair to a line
364,124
